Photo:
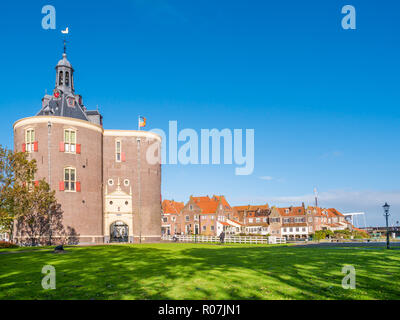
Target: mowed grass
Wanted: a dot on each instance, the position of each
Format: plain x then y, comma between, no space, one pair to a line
201,271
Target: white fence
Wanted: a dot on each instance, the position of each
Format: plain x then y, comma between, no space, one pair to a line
228,239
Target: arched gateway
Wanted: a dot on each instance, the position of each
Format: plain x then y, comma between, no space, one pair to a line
119,232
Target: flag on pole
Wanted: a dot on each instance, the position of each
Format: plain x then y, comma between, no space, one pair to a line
142,122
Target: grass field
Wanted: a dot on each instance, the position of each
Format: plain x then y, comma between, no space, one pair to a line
201,271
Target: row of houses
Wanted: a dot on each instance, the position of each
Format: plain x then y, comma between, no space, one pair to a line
211,215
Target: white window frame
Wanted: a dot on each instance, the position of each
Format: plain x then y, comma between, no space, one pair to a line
69,143
29,139
68,182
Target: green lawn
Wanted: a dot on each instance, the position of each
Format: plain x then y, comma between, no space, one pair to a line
201,271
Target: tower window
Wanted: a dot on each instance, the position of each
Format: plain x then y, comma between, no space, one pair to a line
60,79
29,140
70,140
70,179
118,151
67,78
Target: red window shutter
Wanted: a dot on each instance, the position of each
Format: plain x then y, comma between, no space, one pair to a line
23,147
78,186
36,183
36,146
78,149
61,186
123,158
62,146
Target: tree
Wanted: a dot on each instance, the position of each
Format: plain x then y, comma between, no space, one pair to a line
15,171
319,235
29,209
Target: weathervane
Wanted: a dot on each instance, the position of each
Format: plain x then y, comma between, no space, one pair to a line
66,31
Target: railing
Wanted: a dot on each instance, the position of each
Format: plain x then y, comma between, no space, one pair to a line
228,239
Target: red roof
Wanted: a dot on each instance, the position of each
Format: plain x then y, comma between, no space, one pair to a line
172,207
206,204
224,223
291,211
210,205
223,201
252,207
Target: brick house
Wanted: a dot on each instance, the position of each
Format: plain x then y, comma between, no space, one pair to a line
300,222
326,219
255,218
171,217
205,215
294,222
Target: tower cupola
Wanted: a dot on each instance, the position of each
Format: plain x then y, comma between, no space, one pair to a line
64,74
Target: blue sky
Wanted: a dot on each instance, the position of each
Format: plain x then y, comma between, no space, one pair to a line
323,101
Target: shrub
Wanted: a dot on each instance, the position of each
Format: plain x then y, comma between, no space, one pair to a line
5,244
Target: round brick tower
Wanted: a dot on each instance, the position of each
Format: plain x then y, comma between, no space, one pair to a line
108,186
72,166
132,186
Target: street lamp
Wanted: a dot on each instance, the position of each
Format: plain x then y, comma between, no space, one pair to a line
386,208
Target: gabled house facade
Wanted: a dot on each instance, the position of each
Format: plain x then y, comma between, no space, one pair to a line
171,217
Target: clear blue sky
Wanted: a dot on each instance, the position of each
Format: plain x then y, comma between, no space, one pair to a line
323,101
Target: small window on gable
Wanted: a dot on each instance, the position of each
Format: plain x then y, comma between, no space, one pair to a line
118,151
70,140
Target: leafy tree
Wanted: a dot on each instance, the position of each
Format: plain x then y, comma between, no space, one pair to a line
15,171
319,235
29,210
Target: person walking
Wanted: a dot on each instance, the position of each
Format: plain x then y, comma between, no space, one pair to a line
222,237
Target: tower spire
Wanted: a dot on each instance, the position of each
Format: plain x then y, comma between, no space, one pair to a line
64,73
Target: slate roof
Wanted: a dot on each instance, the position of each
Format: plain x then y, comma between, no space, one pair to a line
60,107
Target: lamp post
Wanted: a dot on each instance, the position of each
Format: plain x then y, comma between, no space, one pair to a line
386,208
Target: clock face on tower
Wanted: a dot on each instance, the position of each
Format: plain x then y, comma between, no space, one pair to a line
56,93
